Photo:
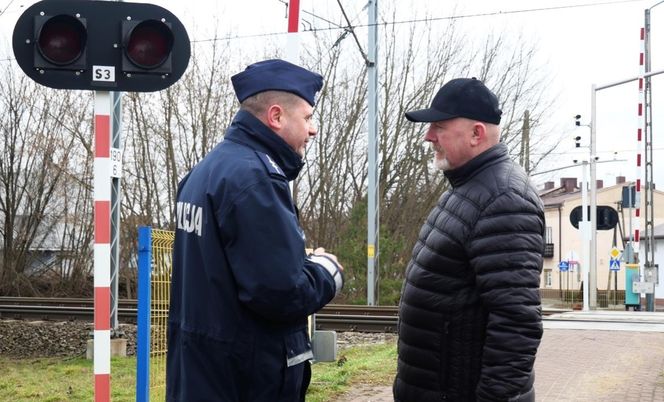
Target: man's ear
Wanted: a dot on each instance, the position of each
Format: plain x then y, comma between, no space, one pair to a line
479,134
275,117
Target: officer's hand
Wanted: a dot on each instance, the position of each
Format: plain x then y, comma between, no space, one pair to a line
321,251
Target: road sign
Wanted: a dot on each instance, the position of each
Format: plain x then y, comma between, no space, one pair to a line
614,264
563,266
572,260
615,253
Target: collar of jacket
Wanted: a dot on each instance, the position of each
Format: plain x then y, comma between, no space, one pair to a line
462,174
248,130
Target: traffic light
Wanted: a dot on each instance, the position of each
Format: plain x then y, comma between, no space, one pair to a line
577,120
607,217
101,45
577,140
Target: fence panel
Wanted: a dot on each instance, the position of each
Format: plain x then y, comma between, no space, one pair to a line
154,280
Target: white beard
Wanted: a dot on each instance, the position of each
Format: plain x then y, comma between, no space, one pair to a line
439,163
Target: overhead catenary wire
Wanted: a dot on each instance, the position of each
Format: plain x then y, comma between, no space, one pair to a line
352,31
285,3
419,20
5,9
350,27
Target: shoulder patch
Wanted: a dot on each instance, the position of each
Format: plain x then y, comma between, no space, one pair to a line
270,165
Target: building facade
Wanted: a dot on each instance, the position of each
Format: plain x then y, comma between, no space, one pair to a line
563,240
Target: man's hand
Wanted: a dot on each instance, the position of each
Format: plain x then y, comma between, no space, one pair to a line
321,251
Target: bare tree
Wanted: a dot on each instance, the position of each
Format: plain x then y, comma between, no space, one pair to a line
47,143
166,134
415,61
37,147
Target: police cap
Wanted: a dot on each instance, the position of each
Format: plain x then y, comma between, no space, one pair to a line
277,75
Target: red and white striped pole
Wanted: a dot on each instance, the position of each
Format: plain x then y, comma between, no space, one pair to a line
292,39
639,145
102,247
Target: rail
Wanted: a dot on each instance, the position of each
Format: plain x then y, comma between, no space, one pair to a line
336,317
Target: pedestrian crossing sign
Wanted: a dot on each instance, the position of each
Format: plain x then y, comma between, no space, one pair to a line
614,264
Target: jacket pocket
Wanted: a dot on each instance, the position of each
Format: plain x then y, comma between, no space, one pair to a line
298,348
298,352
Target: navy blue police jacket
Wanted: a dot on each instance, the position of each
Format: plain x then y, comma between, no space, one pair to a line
242,286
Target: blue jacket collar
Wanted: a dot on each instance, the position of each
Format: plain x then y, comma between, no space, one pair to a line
248,130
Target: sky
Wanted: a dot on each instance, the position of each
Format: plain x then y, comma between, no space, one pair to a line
580,43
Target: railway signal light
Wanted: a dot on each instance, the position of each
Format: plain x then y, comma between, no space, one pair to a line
60,42
101,45
146,46
607,217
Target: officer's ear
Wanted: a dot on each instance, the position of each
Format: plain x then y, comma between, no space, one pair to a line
275,117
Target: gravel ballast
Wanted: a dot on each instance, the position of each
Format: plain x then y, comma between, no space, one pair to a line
34,339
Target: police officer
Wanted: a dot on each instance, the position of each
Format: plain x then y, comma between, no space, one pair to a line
242,286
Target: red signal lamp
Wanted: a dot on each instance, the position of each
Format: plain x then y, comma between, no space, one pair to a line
147,46
60,42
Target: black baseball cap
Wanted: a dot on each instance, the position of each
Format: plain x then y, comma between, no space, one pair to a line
460,97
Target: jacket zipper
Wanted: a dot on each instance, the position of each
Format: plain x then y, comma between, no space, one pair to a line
444,356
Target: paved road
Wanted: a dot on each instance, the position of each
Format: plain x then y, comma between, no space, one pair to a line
622,361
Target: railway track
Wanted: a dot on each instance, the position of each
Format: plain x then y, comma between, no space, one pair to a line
337,317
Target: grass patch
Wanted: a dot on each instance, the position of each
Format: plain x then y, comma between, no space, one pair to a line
58,379
71,379
374,365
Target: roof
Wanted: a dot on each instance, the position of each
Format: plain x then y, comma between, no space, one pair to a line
556,196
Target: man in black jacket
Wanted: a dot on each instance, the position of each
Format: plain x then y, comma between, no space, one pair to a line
242,286
470,312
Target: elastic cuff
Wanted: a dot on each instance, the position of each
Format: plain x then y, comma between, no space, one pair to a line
331,267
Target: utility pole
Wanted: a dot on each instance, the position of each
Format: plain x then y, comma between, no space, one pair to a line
373,220
592,267
584,228
650,270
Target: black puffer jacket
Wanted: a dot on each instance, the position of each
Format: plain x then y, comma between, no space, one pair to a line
470,312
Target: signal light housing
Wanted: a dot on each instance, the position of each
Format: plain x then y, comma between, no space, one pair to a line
60,42
101,45
607,217
147,46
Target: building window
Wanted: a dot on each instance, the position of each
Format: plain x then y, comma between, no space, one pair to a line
548,278
548,243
